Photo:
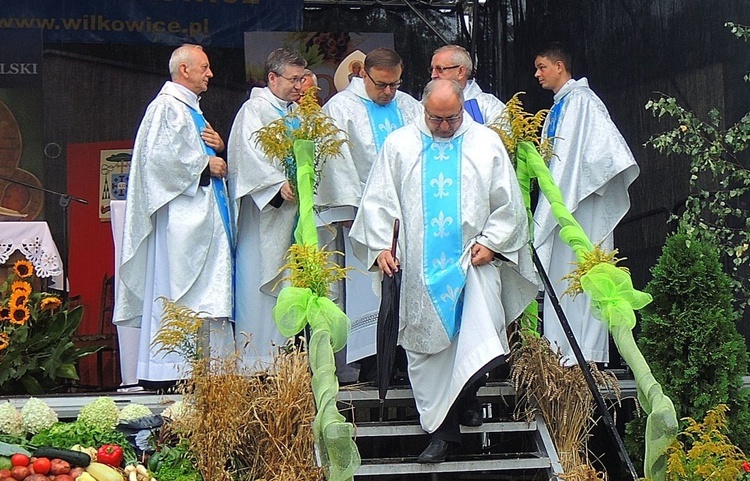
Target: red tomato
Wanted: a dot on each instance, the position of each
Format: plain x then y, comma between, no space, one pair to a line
19,459
42,465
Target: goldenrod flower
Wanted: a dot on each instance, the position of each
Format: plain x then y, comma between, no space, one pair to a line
50,303
18,299
19,314
4,313
23,268
4,341
21,286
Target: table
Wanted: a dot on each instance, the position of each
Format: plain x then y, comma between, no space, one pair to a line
34,241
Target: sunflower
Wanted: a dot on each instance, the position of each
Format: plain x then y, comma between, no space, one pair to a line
4,313
21,286
18,299
50,303
23,268
4,341
19,315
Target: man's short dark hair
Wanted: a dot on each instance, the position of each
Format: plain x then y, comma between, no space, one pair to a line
383,58
281,57
556,52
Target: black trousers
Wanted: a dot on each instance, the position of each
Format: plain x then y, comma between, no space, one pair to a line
450,429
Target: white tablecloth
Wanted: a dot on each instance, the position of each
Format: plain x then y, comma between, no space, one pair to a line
128,337
34,240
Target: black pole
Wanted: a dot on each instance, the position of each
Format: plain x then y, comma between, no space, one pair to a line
64,203
585,369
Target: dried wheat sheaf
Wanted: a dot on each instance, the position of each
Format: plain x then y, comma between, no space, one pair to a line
251,426
561,395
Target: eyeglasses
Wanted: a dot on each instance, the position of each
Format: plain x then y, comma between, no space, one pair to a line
440,69
452,120
382,85
293,80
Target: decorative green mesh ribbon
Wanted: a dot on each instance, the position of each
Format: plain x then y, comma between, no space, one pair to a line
295,308
304,154
613,301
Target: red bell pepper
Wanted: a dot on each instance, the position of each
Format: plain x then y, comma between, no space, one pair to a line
110,454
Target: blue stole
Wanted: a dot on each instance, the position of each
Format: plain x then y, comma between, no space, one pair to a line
384,119
220,192
443,241
290,162
554,118
472,107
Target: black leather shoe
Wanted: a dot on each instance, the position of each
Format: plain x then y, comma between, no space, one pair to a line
471,417
435,452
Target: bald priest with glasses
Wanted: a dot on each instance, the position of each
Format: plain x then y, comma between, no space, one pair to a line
466,268
368,110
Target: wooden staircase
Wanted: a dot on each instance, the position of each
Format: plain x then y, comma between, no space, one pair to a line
500,449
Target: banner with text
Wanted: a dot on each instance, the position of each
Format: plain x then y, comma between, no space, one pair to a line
217,23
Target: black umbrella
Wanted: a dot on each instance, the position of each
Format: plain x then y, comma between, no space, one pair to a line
388,325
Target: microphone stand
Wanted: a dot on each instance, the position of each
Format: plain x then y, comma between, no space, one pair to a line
64,201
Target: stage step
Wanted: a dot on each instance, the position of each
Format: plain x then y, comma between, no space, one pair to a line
499,449
398,428
454,464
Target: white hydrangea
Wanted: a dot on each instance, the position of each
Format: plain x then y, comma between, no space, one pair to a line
175,411
37,416
134,411
11,421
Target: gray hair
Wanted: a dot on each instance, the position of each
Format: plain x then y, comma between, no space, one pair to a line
281,57
431,86
180,55
459,55
311,74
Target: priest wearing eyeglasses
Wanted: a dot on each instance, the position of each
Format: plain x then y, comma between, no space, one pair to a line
453,62
463,254
266,207
368,110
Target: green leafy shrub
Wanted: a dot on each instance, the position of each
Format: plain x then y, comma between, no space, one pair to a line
690,339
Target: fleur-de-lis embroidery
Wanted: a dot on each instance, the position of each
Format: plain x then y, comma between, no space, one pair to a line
441,182
443,261
450,294
441,147
441,221
387,126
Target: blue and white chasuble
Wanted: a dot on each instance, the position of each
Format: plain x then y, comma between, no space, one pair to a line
472,107
384,119
443,245
219,187
554,118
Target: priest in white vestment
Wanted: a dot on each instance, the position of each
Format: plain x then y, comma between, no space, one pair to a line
593,167
267,208
177,231
463,253
368,110
453,62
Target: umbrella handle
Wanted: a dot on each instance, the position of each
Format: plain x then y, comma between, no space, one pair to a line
394,241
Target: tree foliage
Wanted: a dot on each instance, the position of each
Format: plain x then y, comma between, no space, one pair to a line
718,206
